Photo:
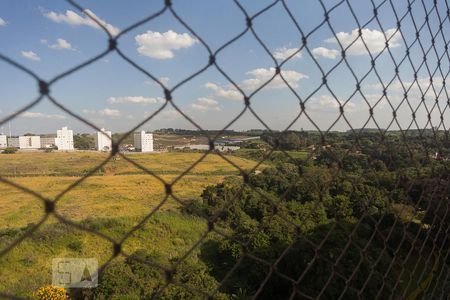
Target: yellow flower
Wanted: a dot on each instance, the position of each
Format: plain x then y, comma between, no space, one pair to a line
50,292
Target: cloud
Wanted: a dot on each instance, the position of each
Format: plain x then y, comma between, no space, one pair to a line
31,55
325,103
89,111
38,115
61,44
164,80
284,53
161,45
72,18
374,39
135,100
413,87
229,93
108,112
262,75
2,22
204,104
325,52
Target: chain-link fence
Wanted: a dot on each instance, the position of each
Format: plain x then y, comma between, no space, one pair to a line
372,218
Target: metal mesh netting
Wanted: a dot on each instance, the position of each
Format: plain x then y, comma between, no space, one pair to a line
396,247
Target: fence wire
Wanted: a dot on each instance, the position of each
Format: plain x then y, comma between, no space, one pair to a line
428,245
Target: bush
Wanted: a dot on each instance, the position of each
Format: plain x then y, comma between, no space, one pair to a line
9,150
76,246
49,292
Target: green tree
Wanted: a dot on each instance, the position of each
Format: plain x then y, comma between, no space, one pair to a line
83,141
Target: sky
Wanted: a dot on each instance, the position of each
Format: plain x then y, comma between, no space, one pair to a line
51,37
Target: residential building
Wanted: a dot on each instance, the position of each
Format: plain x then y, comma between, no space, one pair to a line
3,141
13,142
143,142
103,140
64,139
29,142
48,142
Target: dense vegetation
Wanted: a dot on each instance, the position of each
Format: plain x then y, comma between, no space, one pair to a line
346,220
83,141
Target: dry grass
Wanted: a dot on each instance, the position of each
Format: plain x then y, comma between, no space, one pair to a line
97,196
112,201
79,163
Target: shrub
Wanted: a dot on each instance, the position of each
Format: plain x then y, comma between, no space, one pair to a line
49,292
76,245
9,151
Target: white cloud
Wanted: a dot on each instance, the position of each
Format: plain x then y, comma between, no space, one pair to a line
374,39
31,55
325,103
135,100
262,75
204,104
161,45
164,80
325,52
72,18
61,44
229,93
413,87
283,53
38,115
89,111
2,22
108,112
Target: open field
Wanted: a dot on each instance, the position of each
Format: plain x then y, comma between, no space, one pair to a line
97,196
171,140
111,201
28,266
79,163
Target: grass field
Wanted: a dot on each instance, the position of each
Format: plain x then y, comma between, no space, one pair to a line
79,163
112,201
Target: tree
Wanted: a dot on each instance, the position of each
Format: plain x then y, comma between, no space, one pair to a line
84,141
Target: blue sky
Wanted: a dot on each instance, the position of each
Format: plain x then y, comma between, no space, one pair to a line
50,37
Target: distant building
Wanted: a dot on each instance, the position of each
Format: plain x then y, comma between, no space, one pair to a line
103,140
217,147
143,142
3,141
48,142
64,139
29,142
13,142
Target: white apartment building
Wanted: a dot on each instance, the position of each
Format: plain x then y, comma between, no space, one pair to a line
3,141
47,142
29,142
103,140
64,139
13,142
143,142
